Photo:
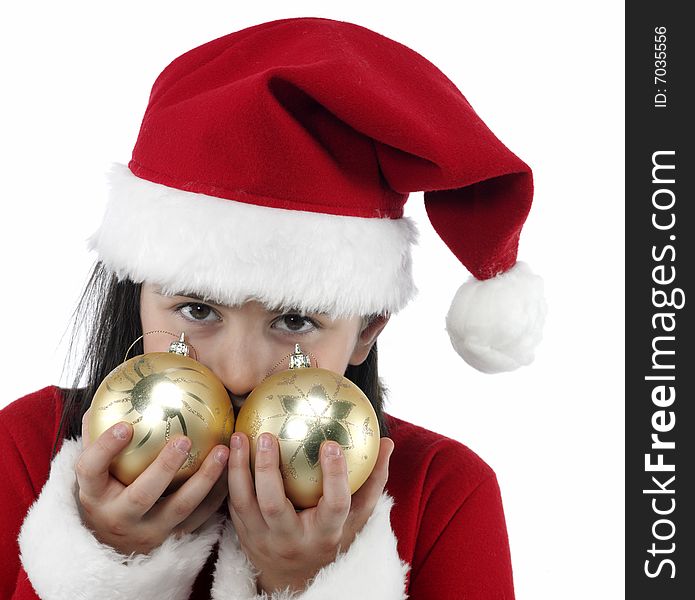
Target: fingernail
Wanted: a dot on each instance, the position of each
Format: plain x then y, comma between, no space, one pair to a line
182,444
332,450
265,442
235,442
221,455
120,431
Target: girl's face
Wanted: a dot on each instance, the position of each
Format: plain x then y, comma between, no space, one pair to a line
242,344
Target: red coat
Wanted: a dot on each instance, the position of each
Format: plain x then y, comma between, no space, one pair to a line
447,516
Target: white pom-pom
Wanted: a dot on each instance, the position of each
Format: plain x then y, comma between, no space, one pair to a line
496,324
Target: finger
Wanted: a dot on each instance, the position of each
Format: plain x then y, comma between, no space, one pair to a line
276,509
210,505
242,498
85,429
92,468
141,495
193,503
334,505
364,500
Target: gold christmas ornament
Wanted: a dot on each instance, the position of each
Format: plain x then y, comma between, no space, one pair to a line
162,394
304,407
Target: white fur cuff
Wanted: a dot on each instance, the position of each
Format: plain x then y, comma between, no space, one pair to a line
370,569
65,561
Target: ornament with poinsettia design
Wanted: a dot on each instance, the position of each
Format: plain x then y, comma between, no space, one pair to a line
304,407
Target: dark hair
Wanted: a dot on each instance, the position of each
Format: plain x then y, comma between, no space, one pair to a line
107,321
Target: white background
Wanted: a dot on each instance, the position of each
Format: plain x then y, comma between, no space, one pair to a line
547,77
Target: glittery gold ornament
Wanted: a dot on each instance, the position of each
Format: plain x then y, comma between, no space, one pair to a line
303,407
162,394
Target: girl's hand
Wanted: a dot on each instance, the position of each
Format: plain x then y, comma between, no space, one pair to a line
134,518
289,548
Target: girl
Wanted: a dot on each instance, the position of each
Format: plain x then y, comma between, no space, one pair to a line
262,207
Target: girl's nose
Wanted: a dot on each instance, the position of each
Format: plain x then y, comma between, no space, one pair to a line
239,364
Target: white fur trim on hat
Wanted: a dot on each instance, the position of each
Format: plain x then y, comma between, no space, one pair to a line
496,324
370,569
65,561
231,252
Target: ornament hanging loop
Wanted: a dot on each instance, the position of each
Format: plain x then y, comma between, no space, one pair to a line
180,346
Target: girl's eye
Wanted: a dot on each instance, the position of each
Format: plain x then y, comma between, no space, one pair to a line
294,323
194,311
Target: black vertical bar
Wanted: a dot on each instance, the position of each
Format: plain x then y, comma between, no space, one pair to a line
660,296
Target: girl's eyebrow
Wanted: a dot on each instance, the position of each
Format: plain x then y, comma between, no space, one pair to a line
298,311
273,311
185,294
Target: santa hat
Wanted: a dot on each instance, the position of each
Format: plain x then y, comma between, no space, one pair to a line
273,164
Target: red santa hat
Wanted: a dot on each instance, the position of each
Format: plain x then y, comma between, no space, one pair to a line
274,163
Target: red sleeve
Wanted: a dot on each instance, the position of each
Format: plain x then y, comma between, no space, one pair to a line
16,496
469,558
27,431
